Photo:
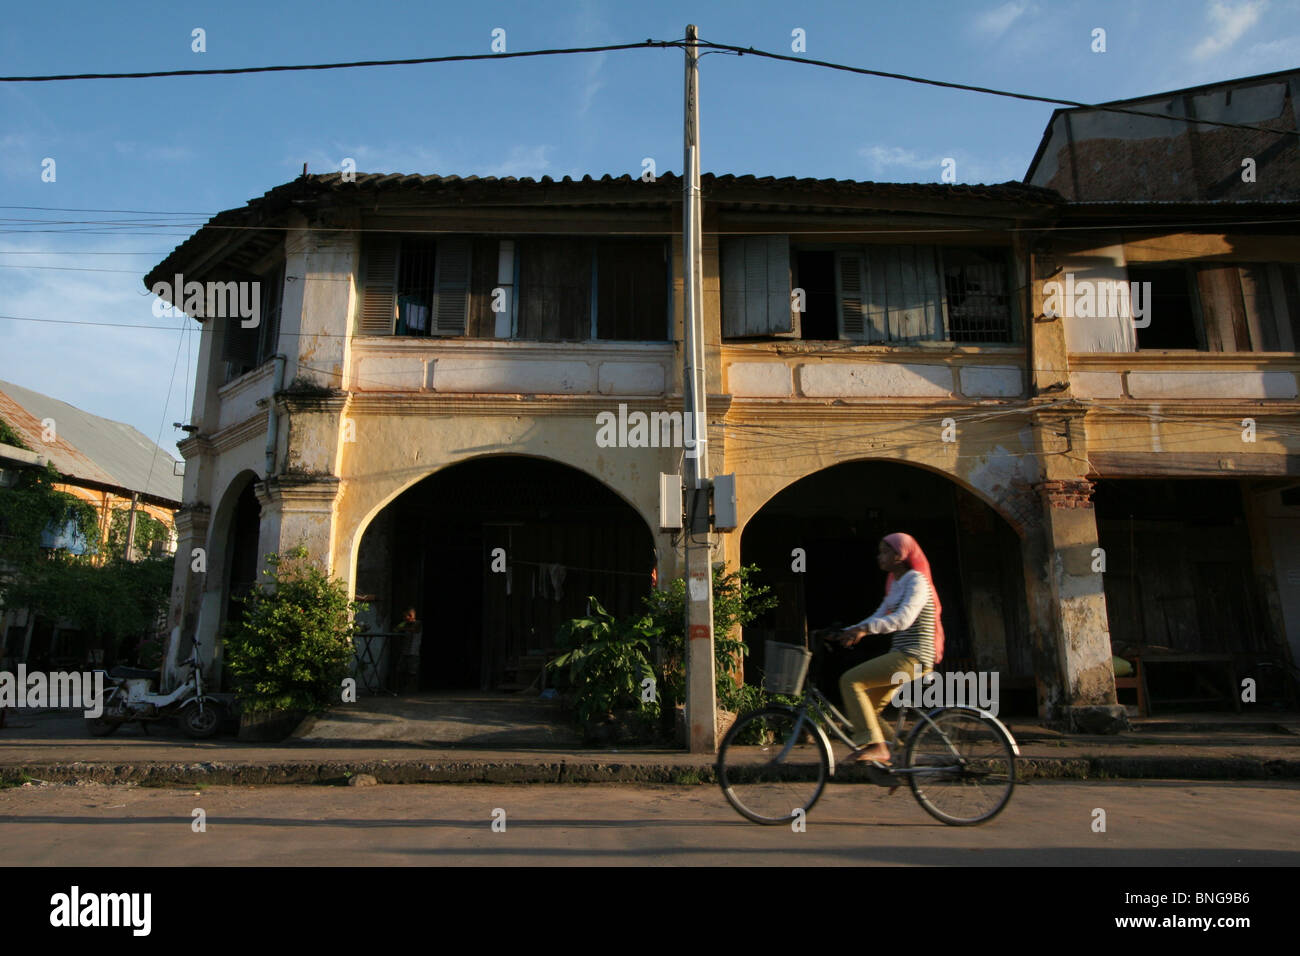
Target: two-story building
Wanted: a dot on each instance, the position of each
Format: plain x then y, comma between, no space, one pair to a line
446,367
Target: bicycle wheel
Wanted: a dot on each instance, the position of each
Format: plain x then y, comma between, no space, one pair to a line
771,764
960,766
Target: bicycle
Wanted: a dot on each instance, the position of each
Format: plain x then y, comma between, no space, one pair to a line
774,762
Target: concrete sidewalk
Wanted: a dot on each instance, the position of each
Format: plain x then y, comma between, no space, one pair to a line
52,746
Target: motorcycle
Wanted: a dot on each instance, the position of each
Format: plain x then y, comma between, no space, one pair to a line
129,696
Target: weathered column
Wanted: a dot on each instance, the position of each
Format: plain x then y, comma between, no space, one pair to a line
298,510
1080,629
189,577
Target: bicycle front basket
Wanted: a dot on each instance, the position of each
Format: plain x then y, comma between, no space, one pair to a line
787,666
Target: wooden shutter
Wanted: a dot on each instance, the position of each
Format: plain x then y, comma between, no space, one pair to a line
848,279
451,287
780,314
240,344
756,286
379,291
733,287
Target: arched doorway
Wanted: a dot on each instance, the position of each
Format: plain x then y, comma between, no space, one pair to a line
241,551
838,515
490,616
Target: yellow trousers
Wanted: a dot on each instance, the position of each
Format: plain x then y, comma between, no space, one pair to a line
866,690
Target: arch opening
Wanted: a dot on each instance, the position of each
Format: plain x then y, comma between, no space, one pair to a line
493,554
838,515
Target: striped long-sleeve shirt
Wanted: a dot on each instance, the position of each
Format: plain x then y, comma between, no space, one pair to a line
908,613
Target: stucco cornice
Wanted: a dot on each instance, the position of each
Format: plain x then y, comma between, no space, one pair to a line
234,435
579,406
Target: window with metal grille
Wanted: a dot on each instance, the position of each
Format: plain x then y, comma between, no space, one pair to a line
979,299
415,283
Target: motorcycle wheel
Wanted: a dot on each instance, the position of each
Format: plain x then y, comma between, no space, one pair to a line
100,727
201,725
112,717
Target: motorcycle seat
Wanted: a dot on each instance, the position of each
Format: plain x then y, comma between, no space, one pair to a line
132,672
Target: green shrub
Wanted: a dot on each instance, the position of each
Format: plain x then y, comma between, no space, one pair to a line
607,662
735,602
292,647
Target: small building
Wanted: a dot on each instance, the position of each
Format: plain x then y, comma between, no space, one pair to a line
108,464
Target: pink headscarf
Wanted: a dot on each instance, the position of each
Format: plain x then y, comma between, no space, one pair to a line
912,554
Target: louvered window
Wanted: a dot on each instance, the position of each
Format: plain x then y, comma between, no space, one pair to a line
756,286
539,288
415,286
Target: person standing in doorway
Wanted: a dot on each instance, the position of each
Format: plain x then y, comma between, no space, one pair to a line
911,613
407,653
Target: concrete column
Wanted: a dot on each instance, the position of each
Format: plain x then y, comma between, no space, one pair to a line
1080,629
187,584
298,510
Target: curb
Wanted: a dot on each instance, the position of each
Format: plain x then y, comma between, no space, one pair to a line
336,773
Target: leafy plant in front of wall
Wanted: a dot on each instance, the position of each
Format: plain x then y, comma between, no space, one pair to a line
150,533
292,646
736,602
607,662
32,507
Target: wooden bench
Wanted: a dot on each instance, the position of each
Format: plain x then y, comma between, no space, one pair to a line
1135,681
1142,663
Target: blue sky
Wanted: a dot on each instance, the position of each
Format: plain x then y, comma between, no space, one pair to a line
197,145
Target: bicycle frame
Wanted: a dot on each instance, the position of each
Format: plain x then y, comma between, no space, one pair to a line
817,710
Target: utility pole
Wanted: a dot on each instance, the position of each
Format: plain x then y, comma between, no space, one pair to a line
701,705
129,553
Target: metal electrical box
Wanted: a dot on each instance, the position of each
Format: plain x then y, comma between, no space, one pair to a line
670,502
724,503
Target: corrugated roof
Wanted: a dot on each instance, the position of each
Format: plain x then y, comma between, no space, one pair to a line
666,189
88,447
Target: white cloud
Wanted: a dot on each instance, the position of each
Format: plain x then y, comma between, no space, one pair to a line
523,161
997,21
1230,23
897,164
415,160
1284,51
882,157
592,82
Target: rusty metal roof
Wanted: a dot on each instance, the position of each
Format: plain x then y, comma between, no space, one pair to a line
91,449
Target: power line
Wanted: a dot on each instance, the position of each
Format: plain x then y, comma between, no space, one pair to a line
742,51
647,44
659,44
74,252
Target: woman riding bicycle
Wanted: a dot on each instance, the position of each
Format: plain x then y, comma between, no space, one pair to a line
910,611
